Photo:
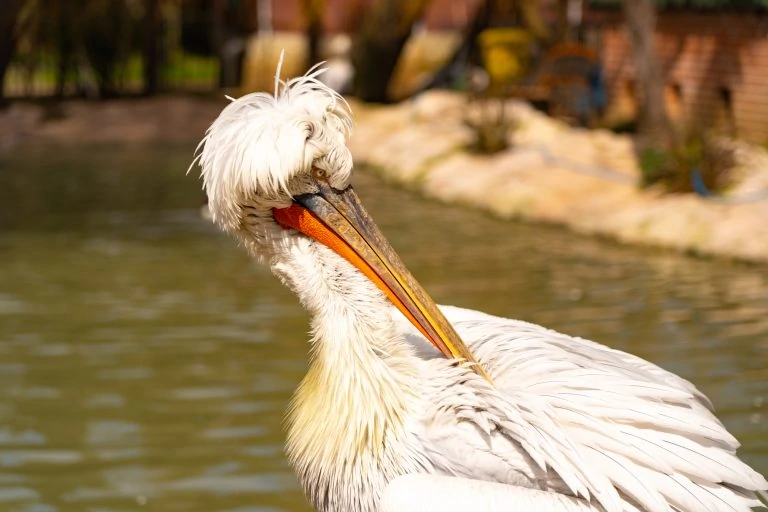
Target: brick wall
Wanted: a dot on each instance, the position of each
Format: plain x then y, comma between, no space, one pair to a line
716,68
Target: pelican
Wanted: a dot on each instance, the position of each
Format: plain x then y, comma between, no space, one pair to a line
410,406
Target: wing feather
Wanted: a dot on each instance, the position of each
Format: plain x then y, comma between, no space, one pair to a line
624,478
572,416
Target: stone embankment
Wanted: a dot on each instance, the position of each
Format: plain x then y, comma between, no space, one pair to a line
586,180
163,119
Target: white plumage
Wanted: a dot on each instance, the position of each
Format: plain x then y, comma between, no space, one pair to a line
545,421
626,432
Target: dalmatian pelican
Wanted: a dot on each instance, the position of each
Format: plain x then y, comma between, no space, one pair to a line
409,406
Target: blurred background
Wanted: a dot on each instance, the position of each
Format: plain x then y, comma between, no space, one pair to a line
145,361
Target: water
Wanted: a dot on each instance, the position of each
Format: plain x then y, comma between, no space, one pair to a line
145,362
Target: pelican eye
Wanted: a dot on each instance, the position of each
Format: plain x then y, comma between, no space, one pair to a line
319,174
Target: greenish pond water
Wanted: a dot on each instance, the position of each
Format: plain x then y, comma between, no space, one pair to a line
145,362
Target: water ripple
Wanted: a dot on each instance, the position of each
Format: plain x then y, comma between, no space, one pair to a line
150,362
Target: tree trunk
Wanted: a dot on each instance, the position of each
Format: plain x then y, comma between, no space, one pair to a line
314,33
105,31
652,120
151,58
65,42
9,12
313,15
386,27
563,27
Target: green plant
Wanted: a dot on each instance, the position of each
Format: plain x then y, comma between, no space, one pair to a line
490,124
654,165
673,169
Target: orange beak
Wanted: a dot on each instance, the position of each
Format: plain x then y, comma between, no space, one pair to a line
337,219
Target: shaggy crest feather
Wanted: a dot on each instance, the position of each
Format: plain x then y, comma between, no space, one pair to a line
260,142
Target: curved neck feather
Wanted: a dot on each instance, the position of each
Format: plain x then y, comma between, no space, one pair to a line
362,379
350,316
354,335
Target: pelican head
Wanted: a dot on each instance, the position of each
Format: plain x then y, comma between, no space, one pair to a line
263,151
277,172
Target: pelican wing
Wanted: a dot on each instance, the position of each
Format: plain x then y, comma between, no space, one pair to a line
411,493
575,417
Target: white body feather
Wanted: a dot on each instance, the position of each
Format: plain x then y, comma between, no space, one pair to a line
418,493
614,427
567,425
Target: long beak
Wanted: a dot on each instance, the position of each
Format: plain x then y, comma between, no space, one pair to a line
337,219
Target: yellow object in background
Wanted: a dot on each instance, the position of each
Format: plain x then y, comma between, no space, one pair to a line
506,53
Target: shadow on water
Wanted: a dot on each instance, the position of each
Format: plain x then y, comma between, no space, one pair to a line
145,361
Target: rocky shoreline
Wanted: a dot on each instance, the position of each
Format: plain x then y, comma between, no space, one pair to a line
585,180
163,119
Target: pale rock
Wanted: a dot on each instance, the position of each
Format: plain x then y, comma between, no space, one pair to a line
586,180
